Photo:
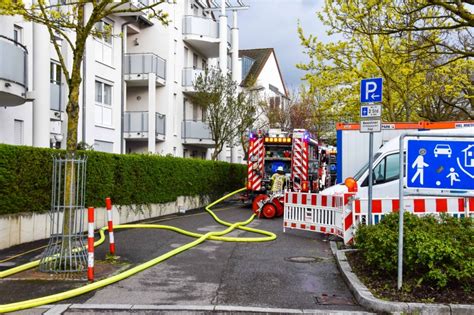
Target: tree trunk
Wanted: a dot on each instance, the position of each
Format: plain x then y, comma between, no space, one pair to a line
217,149
215,154
72,110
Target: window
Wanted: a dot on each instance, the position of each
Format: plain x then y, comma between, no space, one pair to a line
386,171
195,112
55,73
275,102
103,103
185,57
174,115
104,146
105,31
204,64
18,34
55,86
103,43
195,61
18,132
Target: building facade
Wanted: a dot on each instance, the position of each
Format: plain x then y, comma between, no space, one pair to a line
263,79
136,86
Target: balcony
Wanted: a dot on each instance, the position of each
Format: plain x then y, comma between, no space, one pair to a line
136,126
137,67
13,72
135,5
196,133
202,34
189,77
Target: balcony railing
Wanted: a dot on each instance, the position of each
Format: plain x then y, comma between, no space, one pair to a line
14,62
190,75
201,26
56,97
135,122
145,63
196,130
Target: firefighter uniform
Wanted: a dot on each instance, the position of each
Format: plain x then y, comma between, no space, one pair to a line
278,180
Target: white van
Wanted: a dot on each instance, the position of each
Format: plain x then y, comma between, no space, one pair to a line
386,169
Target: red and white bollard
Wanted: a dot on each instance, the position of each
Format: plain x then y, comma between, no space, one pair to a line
90,245
108,205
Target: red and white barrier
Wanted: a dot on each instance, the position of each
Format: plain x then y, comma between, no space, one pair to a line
340,215
315,212
110,223
456,207
90,244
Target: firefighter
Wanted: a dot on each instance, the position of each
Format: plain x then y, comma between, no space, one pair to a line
278,180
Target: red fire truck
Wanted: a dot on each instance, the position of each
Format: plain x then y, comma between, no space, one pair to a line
296,152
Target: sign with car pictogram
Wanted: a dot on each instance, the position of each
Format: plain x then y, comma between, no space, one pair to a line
440,164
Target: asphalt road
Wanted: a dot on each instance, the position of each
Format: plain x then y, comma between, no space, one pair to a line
296,271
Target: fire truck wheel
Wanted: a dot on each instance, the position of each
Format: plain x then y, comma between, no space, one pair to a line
258,202
269,210
278,202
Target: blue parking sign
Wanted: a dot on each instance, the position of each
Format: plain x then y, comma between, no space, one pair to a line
371,90
440,164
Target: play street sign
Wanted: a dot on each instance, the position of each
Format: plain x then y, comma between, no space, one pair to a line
371,90
370,125
368,111
441,164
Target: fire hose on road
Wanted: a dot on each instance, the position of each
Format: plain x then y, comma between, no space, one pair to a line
200,238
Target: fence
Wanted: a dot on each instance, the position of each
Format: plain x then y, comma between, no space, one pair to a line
340,215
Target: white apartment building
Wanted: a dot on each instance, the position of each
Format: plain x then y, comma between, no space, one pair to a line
136,87
262,77
39,118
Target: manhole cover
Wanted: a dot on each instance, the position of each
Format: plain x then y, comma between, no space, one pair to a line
303,259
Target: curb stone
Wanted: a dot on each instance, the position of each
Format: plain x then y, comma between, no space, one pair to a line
365,298
175,309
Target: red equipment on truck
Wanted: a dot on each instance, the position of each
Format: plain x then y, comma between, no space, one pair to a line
295,152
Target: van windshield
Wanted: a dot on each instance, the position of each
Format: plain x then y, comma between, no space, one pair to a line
364,168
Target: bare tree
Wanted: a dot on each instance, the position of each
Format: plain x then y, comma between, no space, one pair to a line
229,114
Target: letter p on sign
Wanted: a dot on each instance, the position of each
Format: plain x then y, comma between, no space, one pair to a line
371,90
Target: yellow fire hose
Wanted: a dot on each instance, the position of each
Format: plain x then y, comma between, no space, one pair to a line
217,236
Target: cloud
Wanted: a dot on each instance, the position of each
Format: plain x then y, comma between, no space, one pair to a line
273,23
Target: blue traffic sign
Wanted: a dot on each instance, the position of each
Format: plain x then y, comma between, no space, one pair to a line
368,111
440,164
371,90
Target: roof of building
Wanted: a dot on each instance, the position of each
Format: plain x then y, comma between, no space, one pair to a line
260,55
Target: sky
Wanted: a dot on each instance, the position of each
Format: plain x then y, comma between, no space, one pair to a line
273,24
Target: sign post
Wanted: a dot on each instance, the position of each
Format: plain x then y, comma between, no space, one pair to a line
443,164
370,92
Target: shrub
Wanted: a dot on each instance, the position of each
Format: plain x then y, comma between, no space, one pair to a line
25,178
437,250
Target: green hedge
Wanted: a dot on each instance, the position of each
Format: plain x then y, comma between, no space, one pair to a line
25,178
437,251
